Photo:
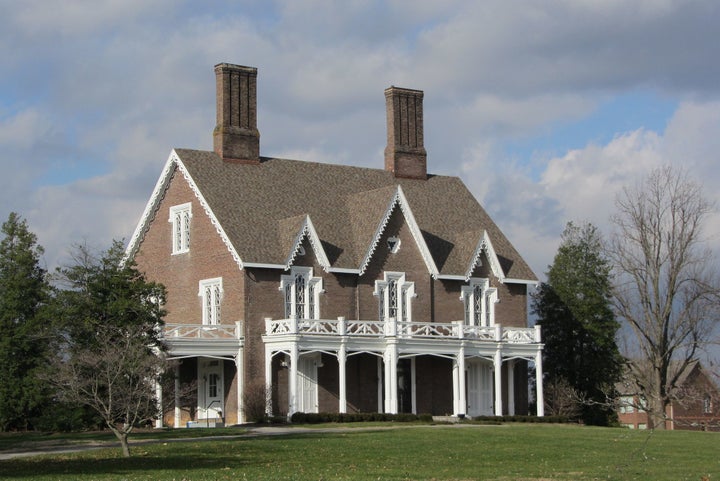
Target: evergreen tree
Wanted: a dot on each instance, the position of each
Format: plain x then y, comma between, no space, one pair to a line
579,327
23,291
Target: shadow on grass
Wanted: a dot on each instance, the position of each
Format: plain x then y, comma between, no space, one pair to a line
165,459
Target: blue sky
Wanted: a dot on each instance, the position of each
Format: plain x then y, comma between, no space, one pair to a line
545,109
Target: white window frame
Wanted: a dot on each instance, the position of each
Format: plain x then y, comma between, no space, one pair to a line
180,218
479,300
301,293
211,294
400,302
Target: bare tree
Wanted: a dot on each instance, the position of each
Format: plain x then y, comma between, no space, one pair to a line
666,287
115,377
561,399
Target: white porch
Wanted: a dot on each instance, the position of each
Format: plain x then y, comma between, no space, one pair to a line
476,352
211,345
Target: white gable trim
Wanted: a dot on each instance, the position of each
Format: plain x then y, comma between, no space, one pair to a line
162,184
399,199
484,244
150,207
308,229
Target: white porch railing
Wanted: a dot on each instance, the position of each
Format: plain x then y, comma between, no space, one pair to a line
202,331
418,330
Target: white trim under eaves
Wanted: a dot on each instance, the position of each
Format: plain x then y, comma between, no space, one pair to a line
260,265
521,281
451,277
343,270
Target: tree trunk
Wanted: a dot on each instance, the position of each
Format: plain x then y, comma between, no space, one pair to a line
123,438
125,445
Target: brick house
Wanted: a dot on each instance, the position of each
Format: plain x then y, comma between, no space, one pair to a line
695,405
343,289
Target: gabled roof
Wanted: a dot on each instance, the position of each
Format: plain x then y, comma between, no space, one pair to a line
264,211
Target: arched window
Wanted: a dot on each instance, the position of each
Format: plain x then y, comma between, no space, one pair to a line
394,297
211,292
479,299
302,293
180,216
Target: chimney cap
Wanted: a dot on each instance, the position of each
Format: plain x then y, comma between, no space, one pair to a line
232,66
400,90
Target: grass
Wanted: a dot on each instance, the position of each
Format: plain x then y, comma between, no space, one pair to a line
509,452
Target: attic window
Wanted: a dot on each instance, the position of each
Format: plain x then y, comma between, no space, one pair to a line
393,244
180,216
301,251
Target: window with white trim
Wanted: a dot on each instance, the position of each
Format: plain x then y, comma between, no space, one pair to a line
302,293
180,216
394,297
211,292
479,299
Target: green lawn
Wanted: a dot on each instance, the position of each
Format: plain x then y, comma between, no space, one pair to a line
507,452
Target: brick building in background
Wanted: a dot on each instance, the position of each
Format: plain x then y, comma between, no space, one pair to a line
344,289
695,405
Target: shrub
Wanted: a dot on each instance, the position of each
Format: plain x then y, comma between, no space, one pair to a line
255,400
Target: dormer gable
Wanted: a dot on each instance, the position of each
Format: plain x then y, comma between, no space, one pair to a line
485,246
399,201
307,232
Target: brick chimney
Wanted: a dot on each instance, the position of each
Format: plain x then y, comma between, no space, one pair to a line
405,154
236,137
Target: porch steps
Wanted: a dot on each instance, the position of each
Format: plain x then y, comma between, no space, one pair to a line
206,423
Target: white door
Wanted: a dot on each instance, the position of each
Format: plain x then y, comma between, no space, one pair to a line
307,384
479,389
210,389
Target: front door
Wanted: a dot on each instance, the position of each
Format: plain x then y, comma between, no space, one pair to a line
307,383
405,385
479,389
210,389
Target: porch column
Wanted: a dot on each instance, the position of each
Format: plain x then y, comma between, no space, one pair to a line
461,406
268,380
539,398
294,356
240,375
497,367
178,413
511,386
342,357
158,399
456,386
390,359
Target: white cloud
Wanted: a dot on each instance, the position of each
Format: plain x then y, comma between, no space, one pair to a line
117,84
582,185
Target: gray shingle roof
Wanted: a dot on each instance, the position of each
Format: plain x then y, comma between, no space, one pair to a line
262,208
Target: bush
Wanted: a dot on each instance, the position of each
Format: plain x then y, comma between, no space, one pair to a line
255,399
315,418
